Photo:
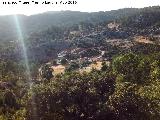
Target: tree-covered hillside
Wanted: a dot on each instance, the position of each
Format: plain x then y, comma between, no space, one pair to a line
128,89
108,62
40,22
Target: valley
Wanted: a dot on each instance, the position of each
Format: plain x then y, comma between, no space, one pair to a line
70,65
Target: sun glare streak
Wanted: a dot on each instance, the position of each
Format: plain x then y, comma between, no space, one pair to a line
24,51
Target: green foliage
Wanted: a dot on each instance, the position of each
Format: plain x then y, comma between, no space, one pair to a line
127,65
131,98
64,61
3,117
11,71
128,89
104,66
19,115
155,73
135,68
128,104
46,72
85,64
74,96
10,99
73,66
130,92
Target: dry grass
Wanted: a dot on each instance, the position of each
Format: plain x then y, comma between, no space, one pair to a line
97,66
61,69
58,69
142,39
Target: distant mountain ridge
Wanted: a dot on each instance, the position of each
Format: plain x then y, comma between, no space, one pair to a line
40,22
47,34
37,22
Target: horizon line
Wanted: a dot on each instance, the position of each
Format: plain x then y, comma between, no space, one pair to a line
21,14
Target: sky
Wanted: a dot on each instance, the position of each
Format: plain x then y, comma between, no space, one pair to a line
81,5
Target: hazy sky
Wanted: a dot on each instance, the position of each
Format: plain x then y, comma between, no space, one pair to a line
82,5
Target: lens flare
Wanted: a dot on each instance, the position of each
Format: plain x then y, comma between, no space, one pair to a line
24,49
24,52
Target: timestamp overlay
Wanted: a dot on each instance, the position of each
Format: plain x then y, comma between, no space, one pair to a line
46,2
29,7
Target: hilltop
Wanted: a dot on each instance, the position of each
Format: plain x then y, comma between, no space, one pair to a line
81,66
